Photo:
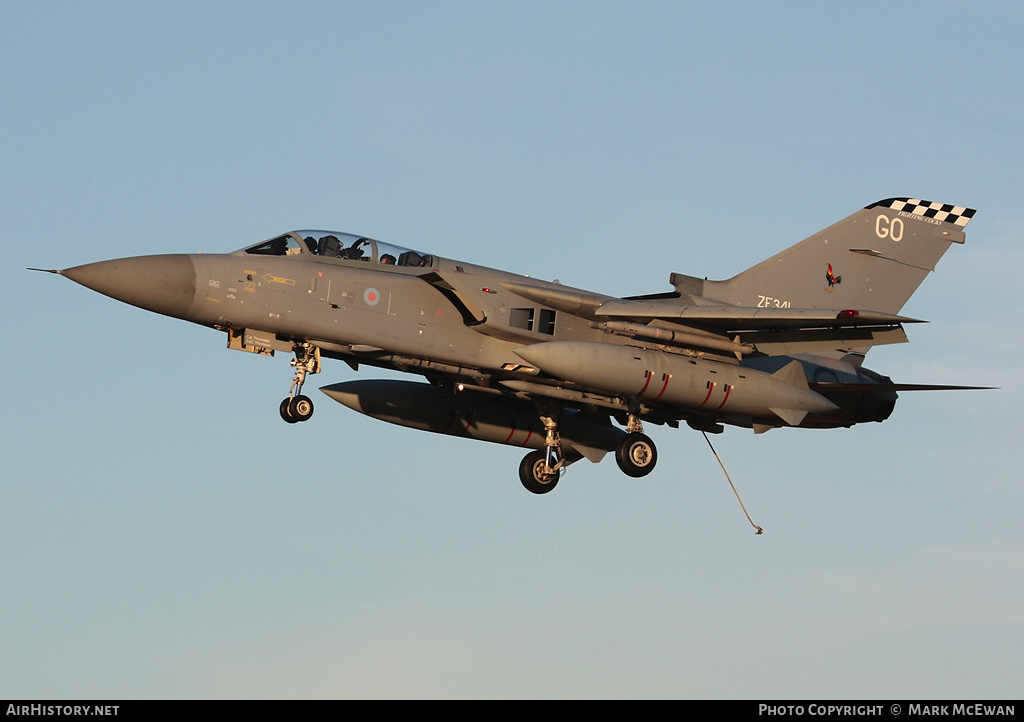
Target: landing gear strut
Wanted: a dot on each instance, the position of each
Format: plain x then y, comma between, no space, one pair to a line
296,407
539,470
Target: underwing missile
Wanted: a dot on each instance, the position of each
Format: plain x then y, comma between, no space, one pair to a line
692,382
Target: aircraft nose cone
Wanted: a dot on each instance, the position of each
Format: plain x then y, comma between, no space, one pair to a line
163,284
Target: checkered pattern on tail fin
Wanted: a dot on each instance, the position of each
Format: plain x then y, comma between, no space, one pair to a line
957,215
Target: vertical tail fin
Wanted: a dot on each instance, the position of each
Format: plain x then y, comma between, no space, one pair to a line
873,260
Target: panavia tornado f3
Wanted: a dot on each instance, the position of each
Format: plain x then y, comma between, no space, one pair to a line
568,373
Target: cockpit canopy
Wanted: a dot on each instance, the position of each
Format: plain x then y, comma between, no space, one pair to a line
345,246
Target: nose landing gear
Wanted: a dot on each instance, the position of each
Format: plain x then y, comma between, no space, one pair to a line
297,407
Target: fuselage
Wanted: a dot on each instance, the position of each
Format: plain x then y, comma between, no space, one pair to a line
514,360
388,306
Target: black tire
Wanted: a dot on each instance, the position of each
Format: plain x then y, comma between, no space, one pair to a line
636,455
286,413
531,473
301,408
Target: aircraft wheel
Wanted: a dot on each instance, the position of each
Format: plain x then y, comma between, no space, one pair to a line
286,412
301,408
532,474
636,455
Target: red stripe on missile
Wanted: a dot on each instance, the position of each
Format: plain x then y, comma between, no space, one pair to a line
711,387
728,390
648,374
665,386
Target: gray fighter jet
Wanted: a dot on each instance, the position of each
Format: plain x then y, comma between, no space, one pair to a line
515,360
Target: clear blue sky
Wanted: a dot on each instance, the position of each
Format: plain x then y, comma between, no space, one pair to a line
164,534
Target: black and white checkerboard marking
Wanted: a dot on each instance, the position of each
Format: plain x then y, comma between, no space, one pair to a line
957,215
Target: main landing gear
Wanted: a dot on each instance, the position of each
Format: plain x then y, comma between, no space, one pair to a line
636,454
535,473
296,407
540,470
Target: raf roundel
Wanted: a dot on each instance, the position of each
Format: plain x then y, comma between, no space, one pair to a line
371,296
